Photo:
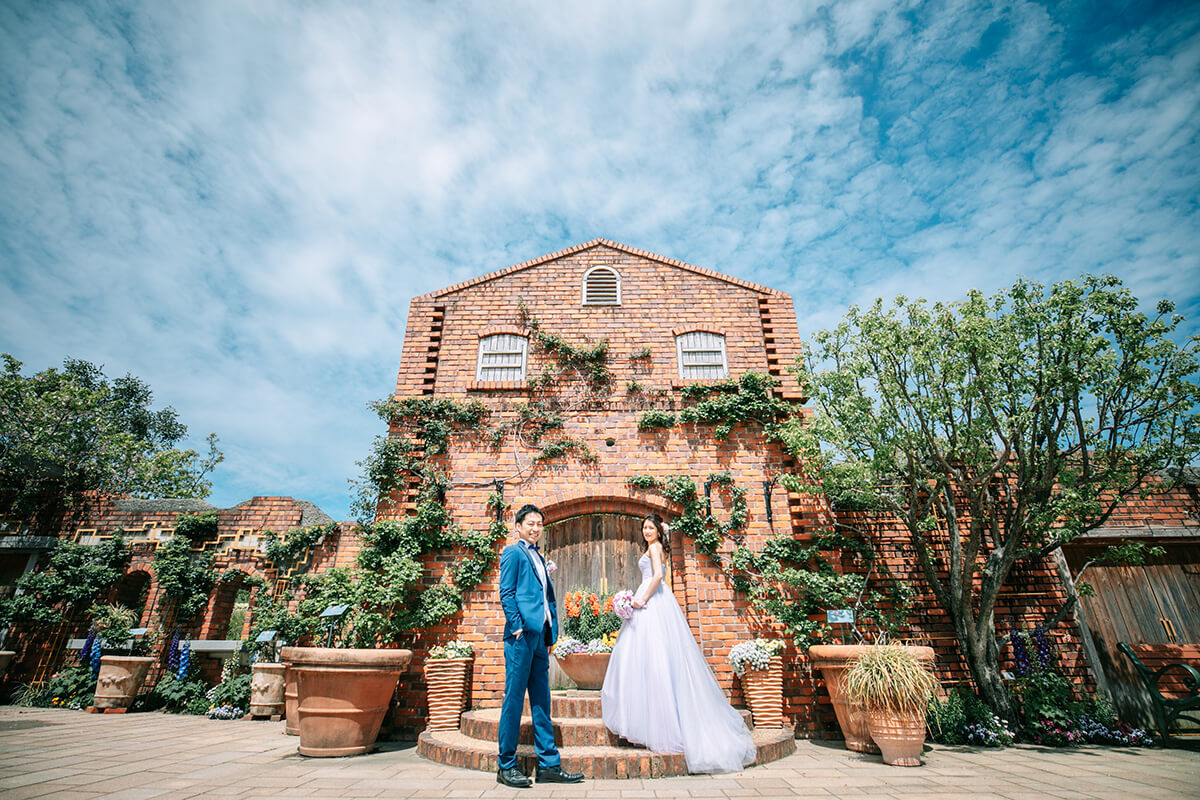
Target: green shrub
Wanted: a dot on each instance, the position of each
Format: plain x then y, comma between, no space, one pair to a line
70,687
180,696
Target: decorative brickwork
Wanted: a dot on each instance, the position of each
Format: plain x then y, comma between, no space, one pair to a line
660,298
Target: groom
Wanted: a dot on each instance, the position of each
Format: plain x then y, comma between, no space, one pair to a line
530,627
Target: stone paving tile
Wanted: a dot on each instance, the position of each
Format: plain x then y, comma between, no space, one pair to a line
53,753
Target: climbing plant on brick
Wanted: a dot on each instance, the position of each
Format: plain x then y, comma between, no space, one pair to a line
792,581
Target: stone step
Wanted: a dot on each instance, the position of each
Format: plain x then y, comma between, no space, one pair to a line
484,723
574,703
455,749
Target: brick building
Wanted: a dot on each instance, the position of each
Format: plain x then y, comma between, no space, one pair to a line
667,324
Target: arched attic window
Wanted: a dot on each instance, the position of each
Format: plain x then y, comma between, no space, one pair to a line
601,287
502,357
701,355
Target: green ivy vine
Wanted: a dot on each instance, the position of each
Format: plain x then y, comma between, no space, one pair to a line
185,578
197,528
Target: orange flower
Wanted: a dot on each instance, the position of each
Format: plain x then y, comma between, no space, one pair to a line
608,606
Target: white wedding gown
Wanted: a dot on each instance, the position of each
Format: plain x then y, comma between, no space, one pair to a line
660,692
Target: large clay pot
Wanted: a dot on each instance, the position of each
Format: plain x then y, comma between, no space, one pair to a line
6,659
291,702
586,669
763,690
446,689
343,696
900,735
267,684
119,680
832,660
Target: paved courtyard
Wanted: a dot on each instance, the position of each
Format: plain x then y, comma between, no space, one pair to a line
69,754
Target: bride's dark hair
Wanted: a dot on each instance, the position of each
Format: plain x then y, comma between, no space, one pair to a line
663,537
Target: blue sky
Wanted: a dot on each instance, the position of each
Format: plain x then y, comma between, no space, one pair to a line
236,201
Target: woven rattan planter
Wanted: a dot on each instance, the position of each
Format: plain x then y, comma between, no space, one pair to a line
446,681
763,690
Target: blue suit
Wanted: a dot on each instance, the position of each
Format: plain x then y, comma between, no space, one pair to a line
526,659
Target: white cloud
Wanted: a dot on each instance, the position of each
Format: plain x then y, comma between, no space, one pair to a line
236,203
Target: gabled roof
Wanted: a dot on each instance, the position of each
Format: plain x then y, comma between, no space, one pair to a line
633,251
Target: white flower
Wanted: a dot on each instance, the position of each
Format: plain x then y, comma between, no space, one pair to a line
550,566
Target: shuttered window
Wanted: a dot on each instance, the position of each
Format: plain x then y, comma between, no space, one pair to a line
601,287
701,355
501,358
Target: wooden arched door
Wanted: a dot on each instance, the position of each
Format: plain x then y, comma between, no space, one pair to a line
599,552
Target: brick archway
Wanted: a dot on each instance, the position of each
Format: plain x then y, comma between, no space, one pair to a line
628,505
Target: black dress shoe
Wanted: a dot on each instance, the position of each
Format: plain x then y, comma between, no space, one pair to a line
556,775
513,777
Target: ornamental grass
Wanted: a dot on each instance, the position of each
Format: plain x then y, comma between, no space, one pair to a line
889,678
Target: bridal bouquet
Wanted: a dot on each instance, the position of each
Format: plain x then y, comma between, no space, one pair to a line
622,603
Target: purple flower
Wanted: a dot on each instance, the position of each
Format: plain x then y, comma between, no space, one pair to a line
1020,654
173,651
1042,644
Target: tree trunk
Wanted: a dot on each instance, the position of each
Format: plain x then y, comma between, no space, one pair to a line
979,647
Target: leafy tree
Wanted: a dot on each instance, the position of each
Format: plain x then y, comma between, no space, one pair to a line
997,429
64,433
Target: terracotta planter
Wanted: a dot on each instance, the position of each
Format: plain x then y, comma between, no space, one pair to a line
6,659
586,669
763,690
900,736
446,682
291,702
119,680
832,660
343,696
267,684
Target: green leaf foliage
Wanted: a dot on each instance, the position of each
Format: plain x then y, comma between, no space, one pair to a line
185,577
996,428
72,431
73,577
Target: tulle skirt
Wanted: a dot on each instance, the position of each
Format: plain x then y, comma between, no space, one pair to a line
660,692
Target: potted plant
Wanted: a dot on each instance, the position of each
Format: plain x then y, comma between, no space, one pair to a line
894,685
760,666
447,677
120,676
344,689
589,630
833,660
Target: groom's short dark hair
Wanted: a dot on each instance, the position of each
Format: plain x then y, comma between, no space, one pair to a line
527,509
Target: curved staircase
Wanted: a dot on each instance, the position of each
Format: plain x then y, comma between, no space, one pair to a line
584,744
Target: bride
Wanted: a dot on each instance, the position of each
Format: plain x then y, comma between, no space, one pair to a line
659,690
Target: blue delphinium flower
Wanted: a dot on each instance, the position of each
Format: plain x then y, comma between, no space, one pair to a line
96,653
1042,645
185,660
85,652
173,651
1020,654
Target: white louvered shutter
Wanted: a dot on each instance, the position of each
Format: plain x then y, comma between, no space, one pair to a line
601,287
702,355
501,358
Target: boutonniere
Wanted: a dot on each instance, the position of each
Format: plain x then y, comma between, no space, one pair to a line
550,566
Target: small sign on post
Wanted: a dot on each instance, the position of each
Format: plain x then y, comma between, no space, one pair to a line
841,616
332,617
